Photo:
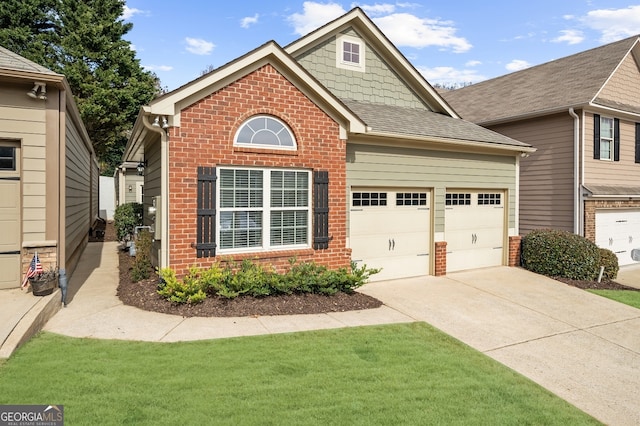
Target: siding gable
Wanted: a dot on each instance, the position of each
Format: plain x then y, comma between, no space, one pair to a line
378,84
623,88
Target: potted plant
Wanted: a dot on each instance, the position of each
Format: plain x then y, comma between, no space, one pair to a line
43,283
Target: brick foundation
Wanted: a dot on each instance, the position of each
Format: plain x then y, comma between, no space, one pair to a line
47,253
441,259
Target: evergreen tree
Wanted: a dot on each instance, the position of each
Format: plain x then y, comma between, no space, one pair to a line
83,39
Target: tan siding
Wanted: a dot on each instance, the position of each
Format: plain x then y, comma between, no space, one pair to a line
378,84
604,172
24,119
624,85
385,166
546,177
131,178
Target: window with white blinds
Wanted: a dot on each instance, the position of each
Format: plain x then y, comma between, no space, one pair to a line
262,208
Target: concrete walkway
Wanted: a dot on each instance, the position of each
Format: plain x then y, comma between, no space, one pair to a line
582,347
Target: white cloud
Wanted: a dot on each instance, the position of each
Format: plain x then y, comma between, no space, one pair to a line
199,46
405,29
128,12
570,37
249,20
472,63
314,16
517,65
376,9
614,24
158,67
449,76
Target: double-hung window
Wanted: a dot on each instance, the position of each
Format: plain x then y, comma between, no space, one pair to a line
606,138
262,209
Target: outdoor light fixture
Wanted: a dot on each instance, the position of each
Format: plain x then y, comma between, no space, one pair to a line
141,167
156,122
130,188
39,91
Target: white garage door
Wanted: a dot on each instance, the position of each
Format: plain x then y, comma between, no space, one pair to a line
474,229
391,229
619,231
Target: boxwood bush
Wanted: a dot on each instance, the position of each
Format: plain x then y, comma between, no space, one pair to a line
125,219
609,260
257,280
556,253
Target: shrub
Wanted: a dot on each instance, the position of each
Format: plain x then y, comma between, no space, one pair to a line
560,254
257,280
126,218
142,262
188,290
609,260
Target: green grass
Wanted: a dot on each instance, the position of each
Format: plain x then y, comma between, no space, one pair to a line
628,297
386,375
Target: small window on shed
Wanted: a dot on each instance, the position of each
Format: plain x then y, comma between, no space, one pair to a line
264,131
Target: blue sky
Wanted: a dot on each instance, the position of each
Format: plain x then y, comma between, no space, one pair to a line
449,42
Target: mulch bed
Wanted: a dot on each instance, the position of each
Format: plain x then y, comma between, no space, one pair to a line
143,294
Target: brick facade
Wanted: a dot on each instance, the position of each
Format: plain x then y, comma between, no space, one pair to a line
205,138
47,253
515,248
590,207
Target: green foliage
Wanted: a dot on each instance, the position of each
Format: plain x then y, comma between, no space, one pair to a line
142,263
84,40
560,254
126,218
188,290
256,280
609,260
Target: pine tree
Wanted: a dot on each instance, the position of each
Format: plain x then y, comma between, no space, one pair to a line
83,39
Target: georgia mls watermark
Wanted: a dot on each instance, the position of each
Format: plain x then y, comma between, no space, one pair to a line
31,415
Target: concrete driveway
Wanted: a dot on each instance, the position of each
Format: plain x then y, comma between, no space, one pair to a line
582,347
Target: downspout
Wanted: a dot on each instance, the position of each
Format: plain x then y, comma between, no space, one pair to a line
164,190
577,207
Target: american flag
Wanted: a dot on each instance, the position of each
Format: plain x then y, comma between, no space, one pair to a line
35,268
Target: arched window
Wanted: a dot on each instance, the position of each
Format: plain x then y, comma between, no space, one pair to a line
265,131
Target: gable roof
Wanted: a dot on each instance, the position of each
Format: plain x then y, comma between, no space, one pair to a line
555,86
357,19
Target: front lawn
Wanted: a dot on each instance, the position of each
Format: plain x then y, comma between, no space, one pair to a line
393,374
629,297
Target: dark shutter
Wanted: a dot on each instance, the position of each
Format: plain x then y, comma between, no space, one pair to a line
616,139
320,209
637,142
596,136
206,232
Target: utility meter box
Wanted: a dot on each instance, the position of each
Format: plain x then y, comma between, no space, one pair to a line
155,214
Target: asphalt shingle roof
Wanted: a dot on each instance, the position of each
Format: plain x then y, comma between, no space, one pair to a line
424,123
13,61
570,81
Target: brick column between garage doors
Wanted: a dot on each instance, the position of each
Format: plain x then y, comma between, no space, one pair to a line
441,259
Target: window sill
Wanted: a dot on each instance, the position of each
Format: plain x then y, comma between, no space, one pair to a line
265,255
252,150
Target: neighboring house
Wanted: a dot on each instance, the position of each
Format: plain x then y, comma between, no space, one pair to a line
129,183
331,149
582,113
48,171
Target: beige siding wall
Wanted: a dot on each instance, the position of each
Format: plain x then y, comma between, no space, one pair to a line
546,176
384,166
24,119
131,178
604,172
378,84
624,86
79,204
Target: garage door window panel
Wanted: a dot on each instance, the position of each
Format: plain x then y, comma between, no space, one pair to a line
411,199
7,158
369,199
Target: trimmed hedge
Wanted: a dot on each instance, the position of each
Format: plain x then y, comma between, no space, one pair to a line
557,253
126,218
254,279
